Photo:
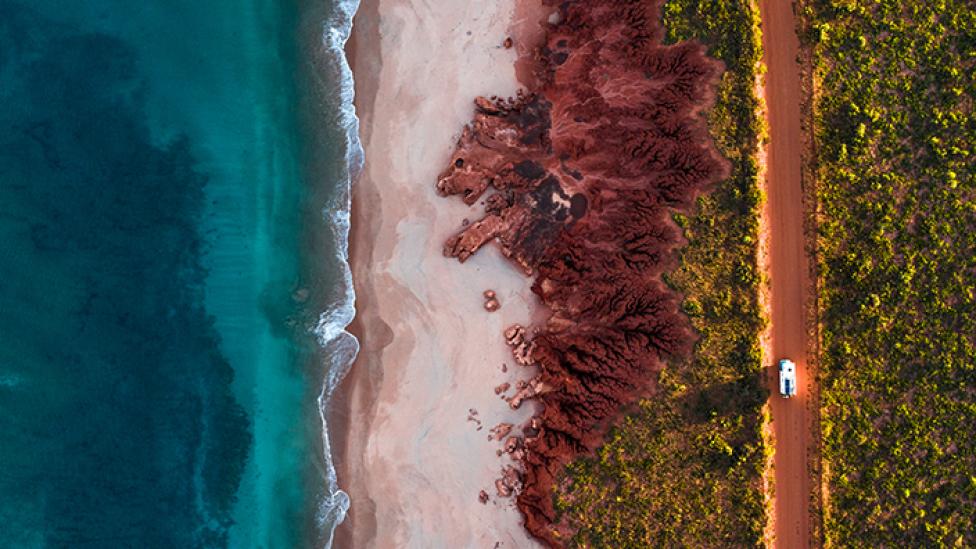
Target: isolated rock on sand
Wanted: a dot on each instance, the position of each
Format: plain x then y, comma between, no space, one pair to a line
521,347
473,417
510,483
515,334
533,388
501,430
491,301
483,497
502,388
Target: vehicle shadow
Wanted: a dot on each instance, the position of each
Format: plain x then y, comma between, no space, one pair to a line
725,399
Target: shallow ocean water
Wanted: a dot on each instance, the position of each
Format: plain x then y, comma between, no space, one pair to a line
170,176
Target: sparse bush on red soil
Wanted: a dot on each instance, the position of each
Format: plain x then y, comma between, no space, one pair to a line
579,179
896,243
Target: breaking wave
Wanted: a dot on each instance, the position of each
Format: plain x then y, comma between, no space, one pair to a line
339,346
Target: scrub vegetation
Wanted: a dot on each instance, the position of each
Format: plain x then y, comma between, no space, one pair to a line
895,128
685,468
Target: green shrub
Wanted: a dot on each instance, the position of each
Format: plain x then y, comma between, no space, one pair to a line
897,260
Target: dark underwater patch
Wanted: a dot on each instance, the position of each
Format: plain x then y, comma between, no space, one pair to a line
126,412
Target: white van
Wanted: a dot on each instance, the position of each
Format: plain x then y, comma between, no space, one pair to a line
787,378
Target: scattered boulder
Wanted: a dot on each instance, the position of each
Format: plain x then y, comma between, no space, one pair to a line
491,301
502,489
521,347
510,483
501,430
515,334
531,389
473,417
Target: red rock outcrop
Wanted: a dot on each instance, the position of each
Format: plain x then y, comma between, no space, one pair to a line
500,431
578,179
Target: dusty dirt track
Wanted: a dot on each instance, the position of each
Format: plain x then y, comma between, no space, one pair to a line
792,418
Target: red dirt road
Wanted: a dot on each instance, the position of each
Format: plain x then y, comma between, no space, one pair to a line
788,273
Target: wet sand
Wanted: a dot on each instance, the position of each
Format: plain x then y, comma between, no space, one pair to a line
407,453
789,275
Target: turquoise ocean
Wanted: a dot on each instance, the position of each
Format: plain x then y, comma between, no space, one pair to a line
174,193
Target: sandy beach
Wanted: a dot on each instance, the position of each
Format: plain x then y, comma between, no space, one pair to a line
414,414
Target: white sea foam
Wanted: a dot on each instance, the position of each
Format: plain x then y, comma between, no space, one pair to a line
339,345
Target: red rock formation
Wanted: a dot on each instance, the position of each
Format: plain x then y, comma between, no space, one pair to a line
500,431
578,177
510,483
521,348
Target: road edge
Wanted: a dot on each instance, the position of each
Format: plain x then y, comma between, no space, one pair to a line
808,181
763,265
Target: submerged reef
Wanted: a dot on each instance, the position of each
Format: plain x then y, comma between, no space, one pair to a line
578,178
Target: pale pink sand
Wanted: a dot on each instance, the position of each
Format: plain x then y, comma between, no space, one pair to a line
411,461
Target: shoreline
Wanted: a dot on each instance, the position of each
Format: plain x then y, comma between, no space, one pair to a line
340,404
399,413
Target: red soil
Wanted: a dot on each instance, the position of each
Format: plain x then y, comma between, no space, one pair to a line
578,177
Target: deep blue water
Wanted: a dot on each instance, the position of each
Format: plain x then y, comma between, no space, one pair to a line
173,176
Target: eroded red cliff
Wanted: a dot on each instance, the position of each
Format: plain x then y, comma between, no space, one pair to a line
577,178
